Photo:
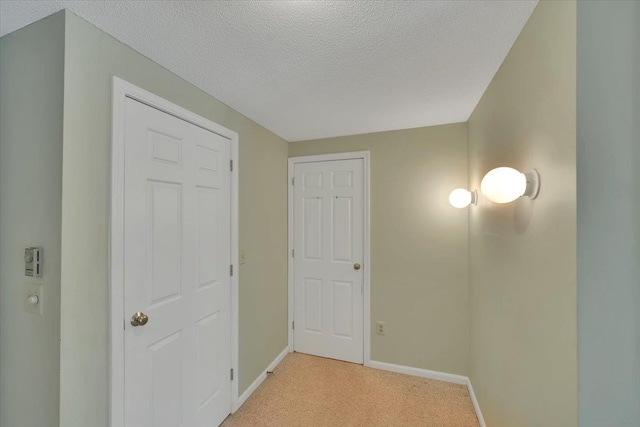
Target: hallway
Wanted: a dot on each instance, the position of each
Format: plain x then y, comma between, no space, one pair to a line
313,391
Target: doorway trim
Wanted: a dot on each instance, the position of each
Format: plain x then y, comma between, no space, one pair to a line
120,91
364,155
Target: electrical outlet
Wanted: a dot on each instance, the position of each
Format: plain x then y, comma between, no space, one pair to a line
32,298
243,256
380,328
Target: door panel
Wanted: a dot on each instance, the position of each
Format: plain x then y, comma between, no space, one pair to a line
329,232
312,218
165,237
208,208
341,229
313,305
165,380
177,246
343,308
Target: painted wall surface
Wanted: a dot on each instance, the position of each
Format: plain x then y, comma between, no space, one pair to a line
522,268
418,243
91,59
31,101
609,213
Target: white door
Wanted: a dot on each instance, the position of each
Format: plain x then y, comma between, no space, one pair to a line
328,259
176,271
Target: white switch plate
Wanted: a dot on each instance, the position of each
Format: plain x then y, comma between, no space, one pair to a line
33,289
243,256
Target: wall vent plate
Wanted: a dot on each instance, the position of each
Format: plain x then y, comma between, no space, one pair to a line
33,260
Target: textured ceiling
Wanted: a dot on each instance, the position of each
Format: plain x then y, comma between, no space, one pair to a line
316,69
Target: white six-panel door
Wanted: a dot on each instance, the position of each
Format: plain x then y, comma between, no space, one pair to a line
328,259
177,233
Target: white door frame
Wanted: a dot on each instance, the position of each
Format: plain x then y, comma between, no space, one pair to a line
364,155
120,91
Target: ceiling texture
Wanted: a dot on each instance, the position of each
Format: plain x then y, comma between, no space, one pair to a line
315,69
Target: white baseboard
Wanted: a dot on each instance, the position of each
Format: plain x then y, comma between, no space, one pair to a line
476,406
278,359
433,375
263,375
417,372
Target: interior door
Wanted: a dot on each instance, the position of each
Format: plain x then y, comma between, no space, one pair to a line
177,255
328,259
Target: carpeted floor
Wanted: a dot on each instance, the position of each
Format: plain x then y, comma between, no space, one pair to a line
313,391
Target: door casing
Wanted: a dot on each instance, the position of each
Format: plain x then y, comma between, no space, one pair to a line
120,91
364,155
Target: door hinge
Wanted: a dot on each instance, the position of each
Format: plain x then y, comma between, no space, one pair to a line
293,325
293,253
231,374
231,165
231,270
293,181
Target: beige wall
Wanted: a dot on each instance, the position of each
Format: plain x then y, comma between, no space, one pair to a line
91,58
418,243
31,100
523,254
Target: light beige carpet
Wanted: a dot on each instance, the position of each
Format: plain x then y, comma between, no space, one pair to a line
312,391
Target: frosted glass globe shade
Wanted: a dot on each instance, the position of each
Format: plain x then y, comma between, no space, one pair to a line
460,198
503,185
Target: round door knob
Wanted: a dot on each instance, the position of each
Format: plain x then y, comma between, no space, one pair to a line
356,266
139,319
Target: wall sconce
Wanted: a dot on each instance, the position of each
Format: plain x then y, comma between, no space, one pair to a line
461,198
504,185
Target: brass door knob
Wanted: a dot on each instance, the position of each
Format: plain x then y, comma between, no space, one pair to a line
139,319
356,266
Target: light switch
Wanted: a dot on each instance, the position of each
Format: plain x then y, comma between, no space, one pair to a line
243,256
32,298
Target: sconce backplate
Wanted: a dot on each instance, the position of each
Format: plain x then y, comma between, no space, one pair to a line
533,184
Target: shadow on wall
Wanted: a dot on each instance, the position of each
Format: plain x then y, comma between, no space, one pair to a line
522,215
506,218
